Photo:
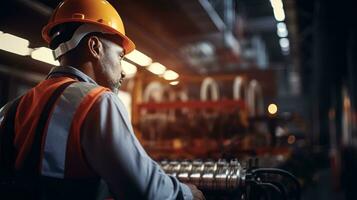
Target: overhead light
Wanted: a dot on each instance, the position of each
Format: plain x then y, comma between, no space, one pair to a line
156,68
284,43
282,31
170,75
276,4
174,82
278,10
14,44
285,46
45,55
272,109
279,14
139,58
129,69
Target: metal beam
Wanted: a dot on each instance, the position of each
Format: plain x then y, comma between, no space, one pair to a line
22,74
37,7
221,26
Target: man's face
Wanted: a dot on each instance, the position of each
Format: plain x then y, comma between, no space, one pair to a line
110,63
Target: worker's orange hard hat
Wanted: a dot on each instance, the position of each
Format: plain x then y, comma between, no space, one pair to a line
96,12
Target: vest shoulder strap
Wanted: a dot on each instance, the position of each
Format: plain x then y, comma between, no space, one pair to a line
62,153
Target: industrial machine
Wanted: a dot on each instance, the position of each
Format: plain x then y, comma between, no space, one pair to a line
230,180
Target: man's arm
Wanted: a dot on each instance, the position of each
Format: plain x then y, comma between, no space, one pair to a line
114,152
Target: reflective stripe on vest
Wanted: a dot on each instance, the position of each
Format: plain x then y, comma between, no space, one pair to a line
55,146
76,164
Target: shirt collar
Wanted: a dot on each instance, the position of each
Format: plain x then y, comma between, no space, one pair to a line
68,70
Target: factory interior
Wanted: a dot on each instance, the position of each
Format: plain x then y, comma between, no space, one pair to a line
245,85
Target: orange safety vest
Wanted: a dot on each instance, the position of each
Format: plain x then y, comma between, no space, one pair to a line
54,142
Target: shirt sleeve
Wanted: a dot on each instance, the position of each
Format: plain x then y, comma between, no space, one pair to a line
114,152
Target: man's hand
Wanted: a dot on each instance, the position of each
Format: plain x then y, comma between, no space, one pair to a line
196,193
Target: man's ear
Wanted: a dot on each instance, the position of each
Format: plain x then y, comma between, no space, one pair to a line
95,46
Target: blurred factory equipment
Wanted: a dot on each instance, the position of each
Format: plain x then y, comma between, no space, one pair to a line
209,83
234,124
239,88
229,79
230,180
255,98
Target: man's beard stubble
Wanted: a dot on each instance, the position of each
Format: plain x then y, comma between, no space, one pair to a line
115,87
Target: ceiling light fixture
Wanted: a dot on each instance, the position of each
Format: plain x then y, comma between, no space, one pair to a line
174,82
170,75
139,58
156,68
45,55
278,10
14,44
282,31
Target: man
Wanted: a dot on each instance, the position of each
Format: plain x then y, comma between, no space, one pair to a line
70,137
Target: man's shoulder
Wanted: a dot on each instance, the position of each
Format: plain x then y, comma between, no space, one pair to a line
109,97
110,101
85,85
81,94
94,93
85,88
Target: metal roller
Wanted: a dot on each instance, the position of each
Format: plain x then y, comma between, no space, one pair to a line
208,175
230,179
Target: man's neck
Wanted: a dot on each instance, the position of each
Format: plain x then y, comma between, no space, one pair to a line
86,68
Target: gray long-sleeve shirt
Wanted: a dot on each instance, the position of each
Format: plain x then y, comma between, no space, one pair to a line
113,151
